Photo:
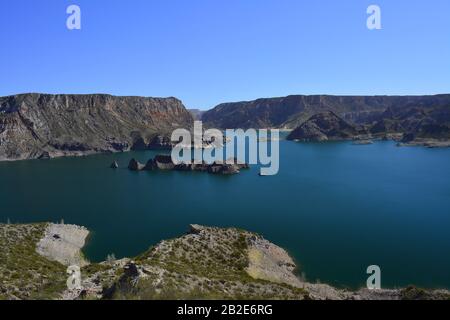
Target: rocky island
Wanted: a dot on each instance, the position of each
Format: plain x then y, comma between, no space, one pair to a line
165,163
205,263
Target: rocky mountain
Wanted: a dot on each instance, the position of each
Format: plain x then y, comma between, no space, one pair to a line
326,126
418,125
44,125
415,117
291,111
205,263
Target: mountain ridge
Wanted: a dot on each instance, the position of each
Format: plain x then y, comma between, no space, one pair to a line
294,104
417,119
38,125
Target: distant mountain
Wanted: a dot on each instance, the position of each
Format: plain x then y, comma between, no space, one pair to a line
291,111
196,113
43,125
417,117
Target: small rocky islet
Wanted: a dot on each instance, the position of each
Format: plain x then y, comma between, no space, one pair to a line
165,163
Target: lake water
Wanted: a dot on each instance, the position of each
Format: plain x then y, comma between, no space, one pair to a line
336,207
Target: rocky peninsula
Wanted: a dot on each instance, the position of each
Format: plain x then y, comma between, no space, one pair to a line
328,126
63,243
205,263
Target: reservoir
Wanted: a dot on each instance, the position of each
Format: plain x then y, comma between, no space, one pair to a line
335,207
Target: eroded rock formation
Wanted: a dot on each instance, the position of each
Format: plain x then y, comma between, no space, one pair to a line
44,126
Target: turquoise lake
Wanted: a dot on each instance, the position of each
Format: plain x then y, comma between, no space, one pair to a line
335,207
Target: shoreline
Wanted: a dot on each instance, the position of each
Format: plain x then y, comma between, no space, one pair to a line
269,262
424,143
69,230
223,263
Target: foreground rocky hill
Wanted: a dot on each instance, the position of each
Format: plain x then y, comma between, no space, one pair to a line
414,119
43,125
205,263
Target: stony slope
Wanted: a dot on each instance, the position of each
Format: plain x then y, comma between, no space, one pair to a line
326,126
417,124
291,111
206,263
43,125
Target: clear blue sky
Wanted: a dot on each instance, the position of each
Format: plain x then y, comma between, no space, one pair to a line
210,51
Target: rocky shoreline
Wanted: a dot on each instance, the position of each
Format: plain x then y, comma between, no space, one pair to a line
205,263
328,126
43,126
63,243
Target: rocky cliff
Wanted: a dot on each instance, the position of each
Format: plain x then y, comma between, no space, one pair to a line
426,117
43,125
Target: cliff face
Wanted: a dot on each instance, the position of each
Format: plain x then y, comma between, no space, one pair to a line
43,125
291,111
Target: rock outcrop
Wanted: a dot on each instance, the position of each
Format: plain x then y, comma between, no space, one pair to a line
157,142
36,126
165,163
417,125
135,165
63,243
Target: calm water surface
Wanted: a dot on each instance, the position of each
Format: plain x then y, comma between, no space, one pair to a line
336,207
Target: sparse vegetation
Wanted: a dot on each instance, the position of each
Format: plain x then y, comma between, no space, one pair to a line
204,265
24,274
208,263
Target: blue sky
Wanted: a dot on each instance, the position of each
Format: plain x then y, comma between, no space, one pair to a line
210,51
